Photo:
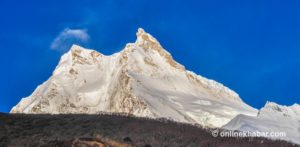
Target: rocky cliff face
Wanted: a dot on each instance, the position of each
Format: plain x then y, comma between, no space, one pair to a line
143,80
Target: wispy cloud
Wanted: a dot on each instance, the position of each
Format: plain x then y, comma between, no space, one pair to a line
67,37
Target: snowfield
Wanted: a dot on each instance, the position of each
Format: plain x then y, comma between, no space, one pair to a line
272,118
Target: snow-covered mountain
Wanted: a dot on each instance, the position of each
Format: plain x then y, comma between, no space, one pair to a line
142,79
272,118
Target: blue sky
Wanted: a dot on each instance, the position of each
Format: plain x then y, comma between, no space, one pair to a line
253,47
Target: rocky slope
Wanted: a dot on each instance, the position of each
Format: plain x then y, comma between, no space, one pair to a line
143,80
83,130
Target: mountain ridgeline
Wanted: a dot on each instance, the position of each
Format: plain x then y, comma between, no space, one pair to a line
144,80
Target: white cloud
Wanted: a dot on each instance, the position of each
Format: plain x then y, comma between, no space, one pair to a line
67,37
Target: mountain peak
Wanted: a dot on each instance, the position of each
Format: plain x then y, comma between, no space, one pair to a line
140,31
143,80
270,104
272,109
275,106
76,47
146,41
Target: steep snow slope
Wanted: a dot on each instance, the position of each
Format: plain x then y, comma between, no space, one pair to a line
271,118
142,79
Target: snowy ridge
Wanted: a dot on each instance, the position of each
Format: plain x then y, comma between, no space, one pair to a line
142,80
272,110
271,118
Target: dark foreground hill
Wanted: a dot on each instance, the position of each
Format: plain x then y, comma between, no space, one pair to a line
111,130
